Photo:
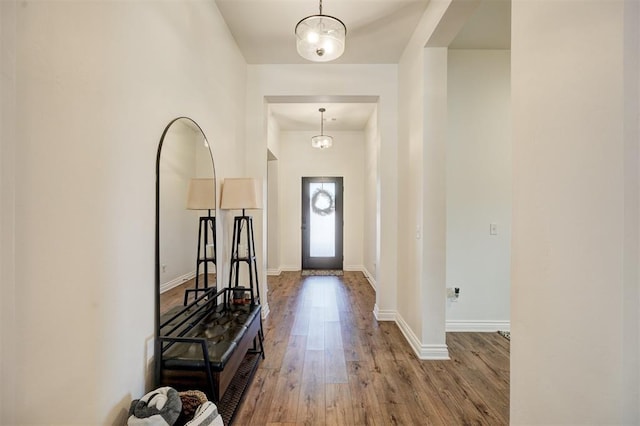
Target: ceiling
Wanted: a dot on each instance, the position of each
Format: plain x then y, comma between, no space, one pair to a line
377,33
338,116
488,28
377,30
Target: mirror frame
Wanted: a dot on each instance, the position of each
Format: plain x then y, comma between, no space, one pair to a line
157,346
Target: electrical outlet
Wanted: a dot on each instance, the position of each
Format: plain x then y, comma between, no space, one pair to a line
453,293
164,268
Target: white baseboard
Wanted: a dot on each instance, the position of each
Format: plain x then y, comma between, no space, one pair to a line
177,281
422,351
478,326
274,272
353,268
383,315
369,276
265,310
425,352
289,268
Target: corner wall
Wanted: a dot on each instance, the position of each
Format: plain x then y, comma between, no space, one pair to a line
98,82
371,190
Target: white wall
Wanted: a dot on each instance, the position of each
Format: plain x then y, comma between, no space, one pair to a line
575,213
297,159
478,189
431,230
371,189
7,208
98,83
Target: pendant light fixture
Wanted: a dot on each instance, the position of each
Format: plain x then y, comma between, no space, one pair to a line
321,141
320,38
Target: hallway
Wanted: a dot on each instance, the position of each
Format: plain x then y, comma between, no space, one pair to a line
329,362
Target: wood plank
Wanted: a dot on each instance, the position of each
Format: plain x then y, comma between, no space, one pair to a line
301,324
315,339
258,398
354,348
275,344
311,404
339,409
175,296
365,405
381,381
293,360
284,408
332,335
396,414
335,366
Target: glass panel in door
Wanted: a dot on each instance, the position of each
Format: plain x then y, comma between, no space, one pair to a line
322,223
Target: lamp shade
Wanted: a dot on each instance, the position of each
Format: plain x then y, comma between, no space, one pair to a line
241,193
320,38
322,141
201,194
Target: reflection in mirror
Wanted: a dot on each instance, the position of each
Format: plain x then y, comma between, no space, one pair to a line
186,246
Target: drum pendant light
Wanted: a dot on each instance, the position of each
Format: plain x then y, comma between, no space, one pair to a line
321,141
320,38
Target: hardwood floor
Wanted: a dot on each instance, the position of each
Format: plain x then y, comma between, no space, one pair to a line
175,296
329,362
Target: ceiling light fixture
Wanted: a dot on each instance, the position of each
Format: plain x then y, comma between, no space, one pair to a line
321,141
320,38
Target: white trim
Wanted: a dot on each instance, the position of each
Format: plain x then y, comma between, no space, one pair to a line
369,277
265,310
274,272
177,281
426,352
353,268
289,269
383,315
478,326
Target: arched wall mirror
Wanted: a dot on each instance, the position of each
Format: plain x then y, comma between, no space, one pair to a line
185,217
204,333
